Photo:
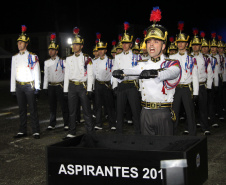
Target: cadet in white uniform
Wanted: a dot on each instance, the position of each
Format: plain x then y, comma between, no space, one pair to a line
25,84
127,90
102,71
53,84
205,75
184,90
159,78
78,84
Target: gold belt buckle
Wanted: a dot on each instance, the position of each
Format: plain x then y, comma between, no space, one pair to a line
153,105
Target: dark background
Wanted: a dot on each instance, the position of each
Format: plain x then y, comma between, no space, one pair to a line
107,17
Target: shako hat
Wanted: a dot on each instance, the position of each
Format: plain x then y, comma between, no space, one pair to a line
53,44
204,42
156,31
100,44
77,39
181,37
23,37
126,36
213,42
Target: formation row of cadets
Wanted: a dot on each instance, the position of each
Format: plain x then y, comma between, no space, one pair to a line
76,78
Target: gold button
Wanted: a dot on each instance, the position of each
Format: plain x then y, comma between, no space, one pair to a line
144,94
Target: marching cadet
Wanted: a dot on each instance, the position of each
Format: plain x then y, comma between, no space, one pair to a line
119,45
172,49
145,56
205,75
189,75
136,47
128,89
95,51
78,84
113,50
220,49
53,84
102,70
25,84
218,78
159,79
210,92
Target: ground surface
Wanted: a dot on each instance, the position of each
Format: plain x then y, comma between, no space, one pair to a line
23,161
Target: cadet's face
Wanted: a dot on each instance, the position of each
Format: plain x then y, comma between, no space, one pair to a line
155,47
22,45
52,52
220,50
213,50
196,48
182,45
113,55
126,46
172,51
95,53
77,48
205,50
119,51
101,52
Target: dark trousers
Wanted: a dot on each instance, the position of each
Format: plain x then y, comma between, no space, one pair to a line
156,122
183,95
128,92
25,95
104,96
56,94
211,105
76,93
202,108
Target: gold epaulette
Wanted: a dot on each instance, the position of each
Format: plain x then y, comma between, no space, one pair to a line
142,60
86,55
168,59
32,53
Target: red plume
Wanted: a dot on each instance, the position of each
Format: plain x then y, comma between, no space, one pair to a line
155,15
181,25
113,43
23,28
219,37
138,40
52,36
213,35
126,26
98,35
119,37
202,34
195,31
76,30
145,33
171,39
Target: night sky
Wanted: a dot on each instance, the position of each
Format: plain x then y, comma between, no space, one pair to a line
107,17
